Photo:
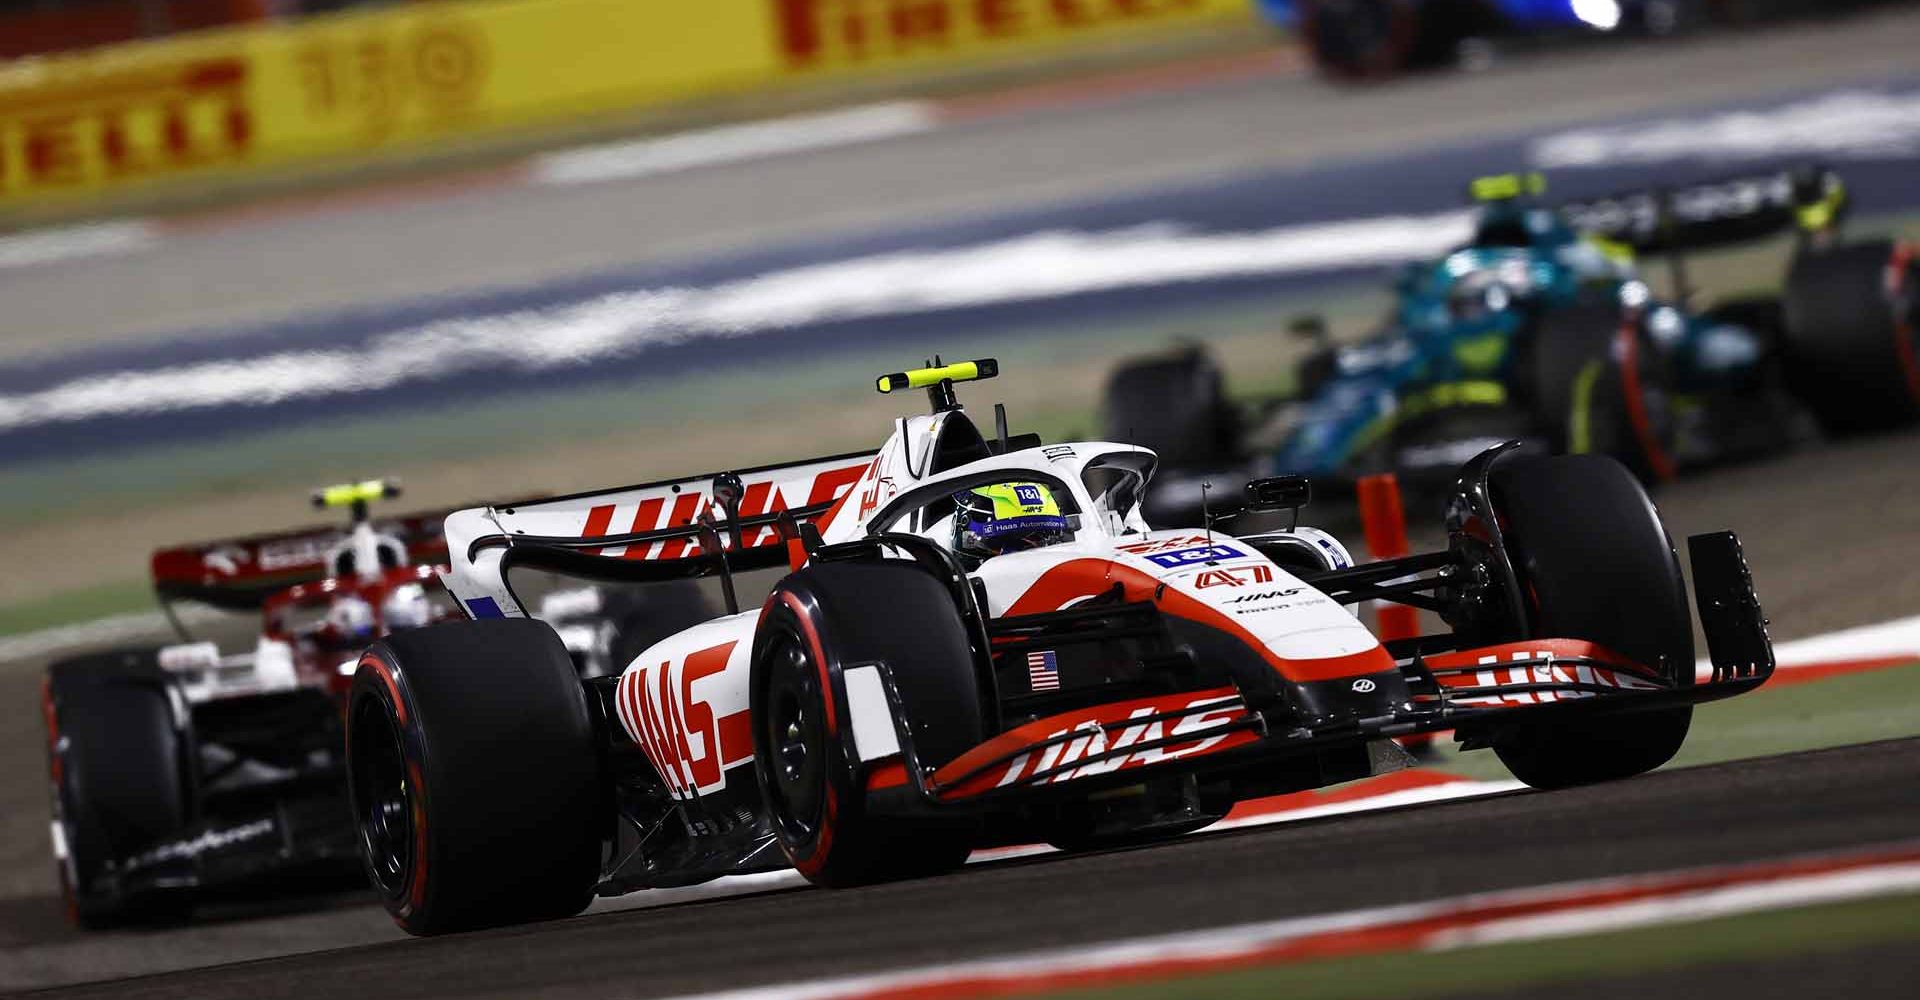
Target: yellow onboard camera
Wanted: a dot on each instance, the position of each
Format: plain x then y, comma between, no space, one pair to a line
921,378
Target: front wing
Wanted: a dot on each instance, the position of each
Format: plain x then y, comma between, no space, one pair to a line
1476,691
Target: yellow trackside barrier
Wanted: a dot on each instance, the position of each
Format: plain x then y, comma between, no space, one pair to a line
360,83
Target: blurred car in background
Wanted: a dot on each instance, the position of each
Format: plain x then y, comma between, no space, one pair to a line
1540,328
182,768
178,768
1372,39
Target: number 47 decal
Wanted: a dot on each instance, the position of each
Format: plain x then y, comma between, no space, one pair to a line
1236,577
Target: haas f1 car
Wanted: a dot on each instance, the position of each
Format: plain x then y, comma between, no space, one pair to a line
1541,328
978,640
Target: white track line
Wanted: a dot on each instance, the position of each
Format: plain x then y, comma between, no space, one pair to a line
735,143
46,246
1552,911
1030,267
99,632
1841,125
1900,637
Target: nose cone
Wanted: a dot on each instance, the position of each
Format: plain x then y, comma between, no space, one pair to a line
1349,699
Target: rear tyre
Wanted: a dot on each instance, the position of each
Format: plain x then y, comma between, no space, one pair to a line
1176,404
119,759
1600,387
815,622
1853,354
475,776
1594,563
1362,40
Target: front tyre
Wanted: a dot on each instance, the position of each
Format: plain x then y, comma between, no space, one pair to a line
816,622
1594,563
475,776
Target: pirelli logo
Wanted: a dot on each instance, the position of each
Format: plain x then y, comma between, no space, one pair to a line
99,129
839,32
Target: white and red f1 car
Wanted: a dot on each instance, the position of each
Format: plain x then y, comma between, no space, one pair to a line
900,699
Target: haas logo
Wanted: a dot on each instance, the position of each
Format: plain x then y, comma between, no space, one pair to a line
1233,577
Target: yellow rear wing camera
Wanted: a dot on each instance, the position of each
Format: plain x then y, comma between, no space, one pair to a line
1507,187
356,495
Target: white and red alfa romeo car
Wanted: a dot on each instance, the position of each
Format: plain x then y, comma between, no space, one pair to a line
975,639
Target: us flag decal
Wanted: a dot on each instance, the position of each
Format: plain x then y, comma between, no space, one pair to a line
1043,673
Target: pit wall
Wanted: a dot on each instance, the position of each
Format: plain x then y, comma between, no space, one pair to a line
359,86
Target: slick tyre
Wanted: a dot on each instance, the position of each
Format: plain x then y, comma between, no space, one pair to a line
1594,563
1852,351
1600,387
475,776
1175,404
816,623
120,761
1355,41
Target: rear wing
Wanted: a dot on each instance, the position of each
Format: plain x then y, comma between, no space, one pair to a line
1715,213
240,573
708,525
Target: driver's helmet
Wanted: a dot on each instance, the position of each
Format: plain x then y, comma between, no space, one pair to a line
1006,517
406,606
350,617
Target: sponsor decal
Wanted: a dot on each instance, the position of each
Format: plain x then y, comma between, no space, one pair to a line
1096,739
812,34
1056,452
1043,671
769,493
484,607
1164,544
1189,557
1268,595
1363,686
1272,600
1537,666
1233,577
871,497
678,731
209,841
130,124
227,559
295,552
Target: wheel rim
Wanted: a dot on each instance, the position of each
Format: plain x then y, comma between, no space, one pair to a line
382,802
795,740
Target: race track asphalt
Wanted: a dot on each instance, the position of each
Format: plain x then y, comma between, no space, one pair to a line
1742,811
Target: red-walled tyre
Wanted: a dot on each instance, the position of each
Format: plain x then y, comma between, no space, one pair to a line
120,764
1599,387
815,622
475,776
1595,563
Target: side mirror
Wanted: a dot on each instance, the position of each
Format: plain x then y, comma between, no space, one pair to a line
1275,493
